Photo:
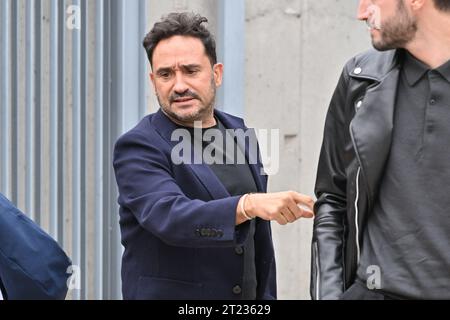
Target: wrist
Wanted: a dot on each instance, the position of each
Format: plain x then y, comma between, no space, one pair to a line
244,207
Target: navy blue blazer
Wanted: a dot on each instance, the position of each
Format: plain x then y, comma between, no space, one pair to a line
178,221
32,265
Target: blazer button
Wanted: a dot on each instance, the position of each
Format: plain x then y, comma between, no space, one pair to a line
237,289
239,250
204,232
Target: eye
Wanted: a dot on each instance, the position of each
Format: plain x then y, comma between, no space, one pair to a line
192,71
164,74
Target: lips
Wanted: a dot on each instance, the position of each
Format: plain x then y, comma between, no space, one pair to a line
183,99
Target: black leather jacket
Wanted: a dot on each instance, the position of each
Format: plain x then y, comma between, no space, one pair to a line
356,144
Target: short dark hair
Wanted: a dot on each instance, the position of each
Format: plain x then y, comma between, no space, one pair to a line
443,5
180,24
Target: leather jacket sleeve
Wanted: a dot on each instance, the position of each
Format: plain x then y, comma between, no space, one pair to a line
327,273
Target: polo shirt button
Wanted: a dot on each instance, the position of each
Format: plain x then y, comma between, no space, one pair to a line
239,250
432,102
357,71
237,289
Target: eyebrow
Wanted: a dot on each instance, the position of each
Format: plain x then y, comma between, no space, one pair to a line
190,66
184,66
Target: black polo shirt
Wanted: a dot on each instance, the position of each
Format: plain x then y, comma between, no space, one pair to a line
407,235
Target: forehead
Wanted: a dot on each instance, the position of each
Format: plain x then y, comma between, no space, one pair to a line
179,50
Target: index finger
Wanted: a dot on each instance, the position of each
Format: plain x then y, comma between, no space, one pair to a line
304,200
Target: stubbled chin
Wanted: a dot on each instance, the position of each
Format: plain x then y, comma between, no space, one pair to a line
184,109
186,112
376,38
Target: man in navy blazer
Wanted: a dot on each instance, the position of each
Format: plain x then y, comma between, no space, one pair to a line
32,265
194,230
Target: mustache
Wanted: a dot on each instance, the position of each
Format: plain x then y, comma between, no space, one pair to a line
373,24
186,94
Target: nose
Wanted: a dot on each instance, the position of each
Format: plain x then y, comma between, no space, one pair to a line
180,85
363,12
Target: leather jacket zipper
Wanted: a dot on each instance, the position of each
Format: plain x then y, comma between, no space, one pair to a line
316,249
358,174
358,249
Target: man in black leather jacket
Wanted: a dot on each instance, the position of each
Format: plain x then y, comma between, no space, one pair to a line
382,225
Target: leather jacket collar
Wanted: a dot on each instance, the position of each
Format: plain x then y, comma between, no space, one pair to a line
376,65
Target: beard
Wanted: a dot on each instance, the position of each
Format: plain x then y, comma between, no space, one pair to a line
203,111
397,31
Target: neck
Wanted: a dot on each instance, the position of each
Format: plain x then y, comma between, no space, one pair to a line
432,42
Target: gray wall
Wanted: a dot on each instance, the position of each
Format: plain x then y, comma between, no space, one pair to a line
295,51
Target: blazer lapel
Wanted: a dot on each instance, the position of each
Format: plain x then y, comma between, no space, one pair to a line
206,176
203,172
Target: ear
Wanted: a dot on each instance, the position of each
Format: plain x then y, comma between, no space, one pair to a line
218,74
152,79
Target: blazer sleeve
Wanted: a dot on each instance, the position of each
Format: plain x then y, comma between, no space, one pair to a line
149,191
32,264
